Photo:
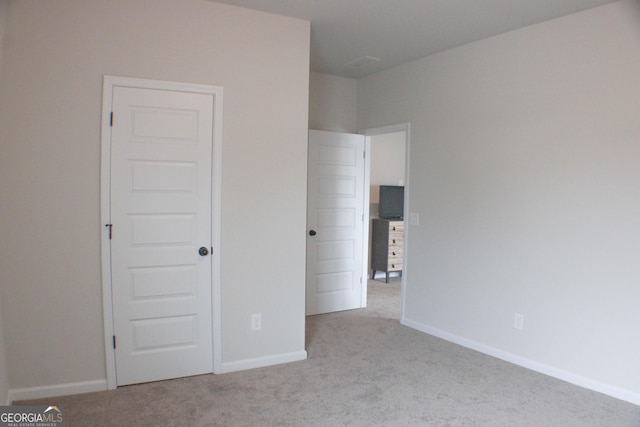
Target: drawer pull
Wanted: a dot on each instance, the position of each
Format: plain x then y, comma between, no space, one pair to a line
393,253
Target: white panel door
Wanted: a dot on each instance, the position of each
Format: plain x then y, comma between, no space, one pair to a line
335,222
161,156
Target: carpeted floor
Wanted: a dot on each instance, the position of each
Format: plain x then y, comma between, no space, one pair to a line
364,369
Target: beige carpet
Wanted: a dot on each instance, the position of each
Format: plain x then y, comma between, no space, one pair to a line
364,369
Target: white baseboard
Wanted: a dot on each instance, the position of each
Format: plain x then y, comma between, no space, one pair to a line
260,362
50,391
552,371
56,390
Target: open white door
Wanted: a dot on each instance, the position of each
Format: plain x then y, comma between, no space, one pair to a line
161,237
335,222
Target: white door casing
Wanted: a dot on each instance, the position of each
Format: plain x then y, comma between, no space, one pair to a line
161,211
335,222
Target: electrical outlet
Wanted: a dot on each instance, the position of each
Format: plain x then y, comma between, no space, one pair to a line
518,321
256,322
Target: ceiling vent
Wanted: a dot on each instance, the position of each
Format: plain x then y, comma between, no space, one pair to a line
361,62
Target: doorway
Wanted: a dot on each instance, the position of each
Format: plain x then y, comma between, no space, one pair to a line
160,198
388,166
357,283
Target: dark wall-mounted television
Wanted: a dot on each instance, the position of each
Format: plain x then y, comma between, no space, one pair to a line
391,202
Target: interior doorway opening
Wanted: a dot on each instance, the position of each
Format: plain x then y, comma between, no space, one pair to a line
388,229
331,183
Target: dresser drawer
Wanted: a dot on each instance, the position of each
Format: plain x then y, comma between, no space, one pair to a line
396,241
395,252
394,265
396,227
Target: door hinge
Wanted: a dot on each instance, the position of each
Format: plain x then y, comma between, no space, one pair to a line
111,119
110,227
114,342
364,154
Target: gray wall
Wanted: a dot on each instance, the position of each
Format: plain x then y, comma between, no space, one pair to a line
525,171
332,103
388,160
55,56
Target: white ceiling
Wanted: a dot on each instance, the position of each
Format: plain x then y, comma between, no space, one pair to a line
397,31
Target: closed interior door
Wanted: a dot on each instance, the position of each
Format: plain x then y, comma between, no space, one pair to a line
335,222
161,157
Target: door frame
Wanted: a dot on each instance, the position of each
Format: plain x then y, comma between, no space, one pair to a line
109,83
381,130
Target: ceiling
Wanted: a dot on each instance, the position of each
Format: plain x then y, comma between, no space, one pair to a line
398,31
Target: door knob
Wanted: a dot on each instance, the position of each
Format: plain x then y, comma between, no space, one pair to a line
203,251
312,232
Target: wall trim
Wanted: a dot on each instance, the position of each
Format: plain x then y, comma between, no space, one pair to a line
552,371
261,362
56,390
